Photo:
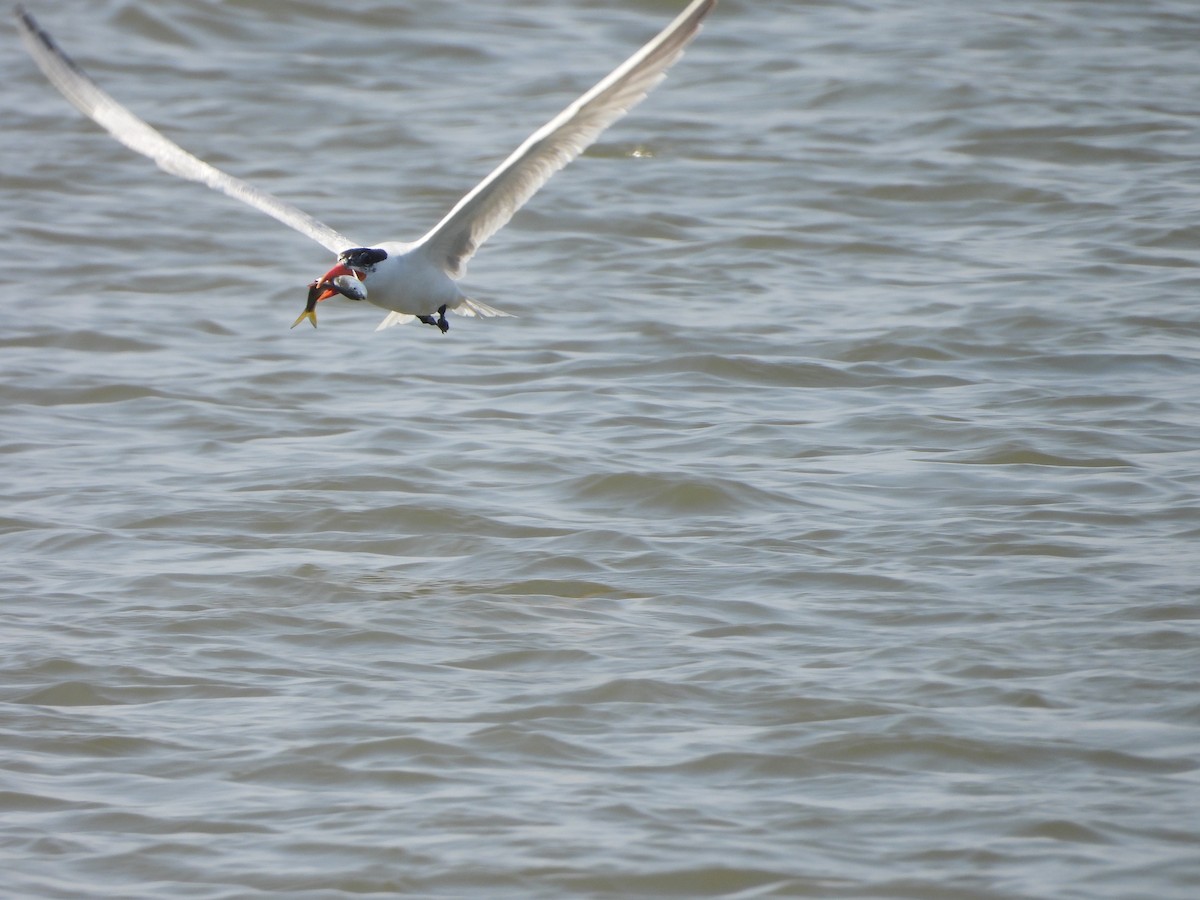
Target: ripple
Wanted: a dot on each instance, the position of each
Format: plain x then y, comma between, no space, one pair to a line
670,493
823,527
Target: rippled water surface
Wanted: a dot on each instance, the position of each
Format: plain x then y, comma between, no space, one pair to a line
825,525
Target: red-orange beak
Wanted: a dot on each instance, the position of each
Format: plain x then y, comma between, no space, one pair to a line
333,273
326,286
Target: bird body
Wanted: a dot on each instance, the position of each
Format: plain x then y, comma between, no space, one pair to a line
409,282
416,280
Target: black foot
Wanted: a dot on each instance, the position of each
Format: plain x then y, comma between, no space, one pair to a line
440,322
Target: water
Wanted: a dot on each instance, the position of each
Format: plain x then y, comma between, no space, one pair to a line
824,526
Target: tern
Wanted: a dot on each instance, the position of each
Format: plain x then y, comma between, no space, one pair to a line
418,279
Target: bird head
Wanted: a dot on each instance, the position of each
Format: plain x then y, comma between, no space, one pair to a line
356,263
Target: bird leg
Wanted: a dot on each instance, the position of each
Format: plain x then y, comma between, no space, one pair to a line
440,322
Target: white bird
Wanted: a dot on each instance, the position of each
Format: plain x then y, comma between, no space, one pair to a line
414,280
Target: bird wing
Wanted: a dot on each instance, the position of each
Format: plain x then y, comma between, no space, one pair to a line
486,209
89,99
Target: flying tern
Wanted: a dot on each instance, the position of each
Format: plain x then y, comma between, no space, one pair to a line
418,279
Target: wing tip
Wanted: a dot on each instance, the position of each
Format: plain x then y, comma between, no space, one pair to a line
31,30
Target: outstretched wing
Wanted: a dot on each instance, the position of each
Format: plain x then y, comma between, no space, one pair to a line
487,208
135,134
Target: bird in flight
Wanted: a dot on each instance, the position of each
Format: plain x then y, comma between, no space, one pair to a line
416,280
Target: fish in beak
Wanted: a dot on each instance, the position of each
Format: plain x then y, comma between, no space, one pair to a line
341,279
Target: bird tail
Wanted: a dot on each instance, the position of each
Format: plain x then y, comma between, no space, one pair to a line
469,307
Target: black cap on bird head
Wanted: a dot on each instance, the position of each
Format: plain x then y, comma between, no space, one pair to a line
362,257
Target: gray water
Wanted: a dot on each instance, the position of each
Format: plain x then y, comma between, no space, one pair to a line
826,525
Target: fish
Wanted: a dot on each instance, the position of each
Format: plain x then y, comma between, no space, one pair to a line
344,285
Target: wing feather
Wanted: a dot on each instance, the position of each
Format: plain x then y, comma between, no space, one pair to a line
487,208
86,96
